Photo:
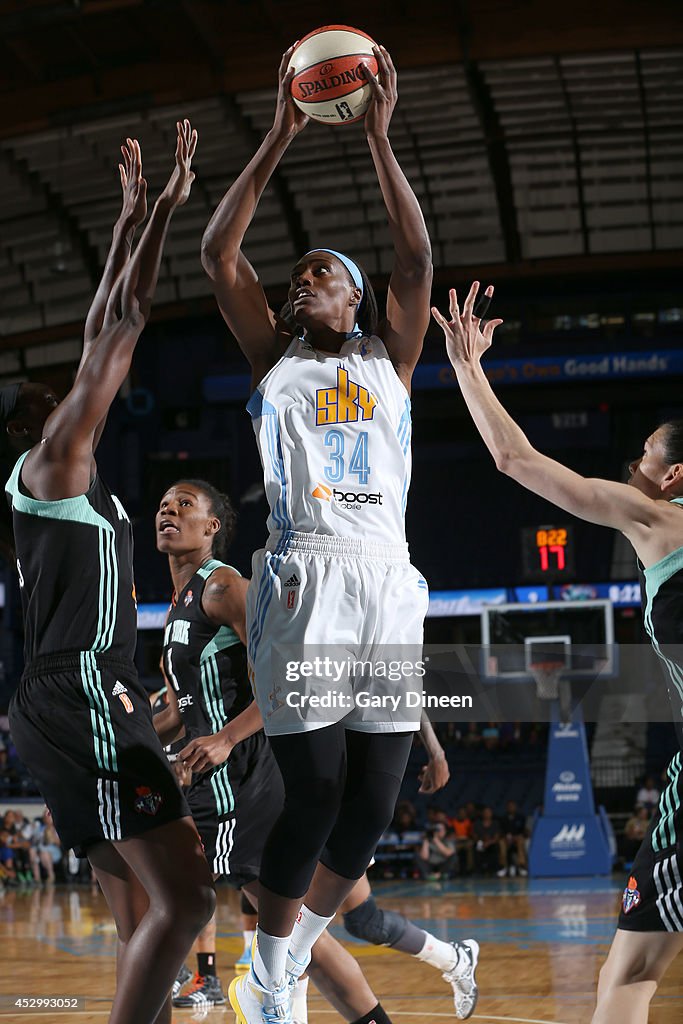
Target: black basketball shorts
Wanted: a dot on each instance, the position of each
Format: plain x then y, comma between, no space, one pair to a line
653,897
234,807
82,725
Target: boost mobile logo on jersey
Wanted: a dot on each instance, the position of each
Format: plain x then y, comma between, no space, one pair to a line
346,403
346,499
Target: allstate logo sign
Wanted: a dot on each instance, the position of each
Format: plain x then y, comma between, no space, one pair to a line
569,843
567,789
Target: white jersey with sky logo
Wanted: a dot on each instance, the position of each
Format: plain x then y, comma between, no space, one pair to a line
333,432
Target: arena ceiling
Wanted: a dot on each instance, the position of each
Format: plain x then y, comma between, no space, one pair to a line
535,136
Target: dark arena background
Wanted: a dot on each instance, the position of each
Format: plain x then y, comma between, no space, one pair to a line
545,144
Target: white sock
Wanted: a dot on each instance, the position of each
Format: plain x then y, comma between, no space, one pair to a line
307,930
298,1001
248,939
270,959
441,955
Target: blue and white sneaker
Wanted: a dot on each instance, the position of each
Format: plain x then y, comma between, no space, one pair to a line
244,962
254,1004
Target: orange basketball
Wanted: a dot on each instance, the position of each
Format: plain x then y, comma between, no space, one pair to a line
329,85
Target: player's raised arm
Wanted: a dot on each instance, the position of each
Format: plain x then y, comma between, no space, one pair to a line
133,212
236,285
598,501
411,277
62,465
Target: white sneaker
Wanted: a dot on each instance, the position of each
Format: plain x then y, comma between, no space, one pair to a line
523,872
461,977
295,968
513,871
254,1004
502,873
298,993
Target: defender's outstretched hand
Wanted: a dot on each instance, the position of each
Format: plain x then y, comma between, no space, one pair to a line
384,93
289,119
134,186
465,340
179,184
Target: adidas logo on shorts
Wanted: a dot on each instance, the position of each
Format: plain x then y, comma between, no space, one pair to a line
118,689
293,581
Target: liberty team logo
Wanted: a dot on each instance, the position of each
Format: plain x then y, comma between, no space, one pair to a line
147,802
631,897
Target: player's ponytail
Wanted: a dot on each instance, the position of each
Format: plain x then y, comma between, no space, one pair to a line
221,508
673,442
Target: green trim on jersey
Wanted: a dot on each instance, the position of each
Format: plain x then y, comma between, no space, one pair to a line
102,729
75,510
79,510
664,835
211,566
215,708
655,576
225,637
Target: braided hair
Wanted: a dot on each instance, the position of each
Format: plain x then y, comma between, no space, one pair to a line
222,509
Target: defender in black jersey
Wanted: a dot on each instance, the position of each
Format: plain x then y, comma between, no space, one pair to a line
237,791
649,512
80,720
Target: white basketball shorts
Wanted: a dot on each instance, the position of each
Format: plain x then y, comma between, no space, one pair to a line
334,632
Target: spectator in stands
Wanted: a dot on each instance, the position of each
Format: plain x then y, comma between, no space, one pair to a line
405,818
648,794
510,735
437,816
513,834
473,811
14,826
635,831
472,738
8,874
461,826
486,834
436,857
7,776
48,845
490,735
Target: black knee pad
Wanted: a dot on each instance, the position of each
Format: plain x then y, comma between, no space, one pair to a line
372,924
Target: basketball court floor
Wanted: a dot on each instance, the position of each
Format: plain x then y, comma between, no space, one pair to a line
543,942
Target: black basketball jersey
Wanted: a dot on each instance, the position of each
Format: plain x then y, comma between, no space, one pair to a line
206,664
662,585
75,564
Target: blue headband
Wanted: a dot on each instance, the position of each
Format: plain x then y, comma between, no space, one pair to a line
353,268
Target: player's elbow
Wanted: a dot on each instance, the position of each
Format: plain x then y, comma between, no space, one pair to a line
418,268
214,255
210,255
508,461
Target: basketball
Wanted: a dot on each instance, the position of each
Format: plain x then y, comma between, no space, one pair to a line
329,84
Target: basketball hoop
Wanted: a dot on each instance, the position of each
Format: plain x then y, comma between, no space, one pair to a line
547,678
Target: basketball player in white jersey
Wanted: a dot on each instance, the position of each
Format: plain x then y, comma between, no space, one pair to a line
331,411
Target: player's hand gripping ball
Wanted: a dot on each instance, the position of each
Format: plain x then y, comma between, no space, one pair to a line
328,83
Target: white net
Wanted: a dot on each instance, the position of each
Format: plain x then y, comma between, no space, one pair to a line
547,677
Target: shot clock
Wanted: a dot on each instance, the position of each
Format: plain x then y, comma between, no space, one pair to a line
547,553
